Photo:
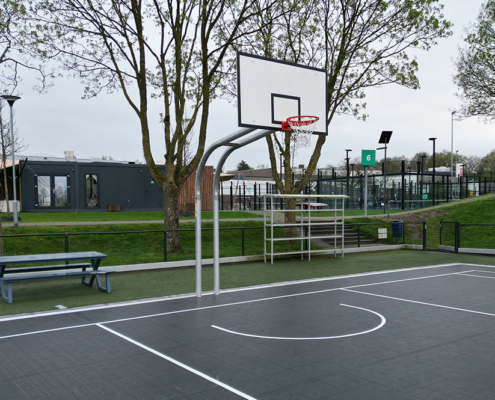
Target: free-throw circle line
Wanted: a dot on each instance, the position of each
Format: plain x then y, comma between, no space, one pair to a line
383,321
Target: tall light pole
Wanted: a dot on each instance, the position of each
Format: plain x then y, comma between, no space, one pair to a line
452,149
347,159
433,179
347,151
384,139
11,100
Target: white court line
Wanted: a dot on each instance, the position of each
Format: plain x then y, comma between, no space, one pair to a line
420,302
234,304
487,272
46,330
383,321
192,295
178,363
478,276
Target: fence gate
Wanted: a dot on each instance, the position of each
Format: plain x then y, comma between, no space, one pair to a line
449,236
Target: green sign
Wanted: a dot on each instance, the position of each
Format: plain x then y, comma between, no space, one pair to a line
425,196
367,158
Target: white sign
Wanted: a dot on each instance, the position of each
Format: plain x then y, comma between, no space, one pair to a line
459,169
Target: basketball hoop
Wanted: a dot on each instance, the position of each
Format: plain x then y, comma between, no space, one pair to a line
304,124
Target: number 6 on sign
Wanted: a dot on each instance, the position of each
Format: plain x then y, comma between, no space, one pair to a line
368,158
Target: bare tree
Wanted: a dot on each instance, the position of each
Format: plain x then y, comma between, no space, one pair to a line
362,44
171,50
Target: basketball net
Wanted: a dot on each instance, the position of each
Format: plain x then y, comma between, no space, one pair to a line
303,127
304,124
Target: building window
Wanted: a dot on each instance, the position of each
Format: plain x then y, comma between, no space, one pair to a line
44,191
52,191
61,191
91,190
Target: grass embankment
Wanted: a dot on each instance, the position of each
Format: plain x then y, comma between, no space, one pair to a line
40,296
119,216
140,243
481,211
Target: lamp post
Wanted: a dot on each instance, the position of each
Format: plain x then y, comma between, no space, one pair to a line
452,149
347,151
433,179
385,139
11,100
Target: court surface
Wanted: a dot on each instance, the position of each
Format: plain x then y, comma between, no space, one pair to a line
423,333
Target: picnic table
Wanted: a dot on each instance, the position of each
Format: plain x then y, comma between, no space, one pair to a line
85,260
313,206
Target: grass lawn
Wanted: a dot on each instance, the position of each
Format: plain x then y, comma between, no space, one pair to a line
140,243
119,216
41,296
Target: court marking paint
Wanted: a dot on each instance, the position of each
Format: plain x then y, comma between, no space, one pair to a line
383,321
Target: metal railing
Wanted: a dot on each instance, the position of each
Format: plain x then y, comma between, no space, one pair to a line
139,247
455,235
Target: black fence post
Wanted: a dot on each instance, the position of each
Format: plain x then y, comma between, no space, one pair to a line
165,245
255,197
231,196
221,195
443,188
424,235
403,233
359,235
441,228
457,236
66,243
242,236
403,184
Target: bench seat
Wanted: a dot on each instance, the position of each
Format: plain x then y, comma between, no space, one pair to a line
47,268
7,294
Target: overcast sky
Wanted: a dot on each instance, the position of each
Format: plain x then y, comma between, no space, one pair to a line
58,121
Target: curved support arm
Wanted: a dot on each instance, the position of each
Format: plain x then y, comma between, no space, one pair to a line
216,188
197,195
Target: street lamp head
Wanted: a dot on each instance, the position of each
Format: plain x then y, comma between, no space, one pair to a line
453,112
385,137
432,138
9,98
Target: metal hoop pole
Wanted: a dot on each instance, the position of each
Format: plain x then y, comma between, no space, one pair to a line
216,218
197,193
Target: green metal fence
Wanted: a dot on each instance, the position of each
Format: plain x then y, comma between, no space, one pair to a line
460,235
139,247
410,232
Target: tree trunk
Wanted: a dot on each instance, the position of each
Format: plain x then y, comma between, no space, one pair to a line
290,218
171,208
1,239
6,187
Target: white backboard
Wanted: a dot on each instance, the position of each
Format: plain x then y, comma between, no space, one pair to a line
270,91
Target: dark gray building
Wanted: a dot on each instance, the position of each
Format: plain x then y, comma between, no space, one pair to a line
65,184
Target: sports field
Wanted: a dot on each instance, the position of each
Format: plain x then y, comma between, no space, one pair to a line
412,333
